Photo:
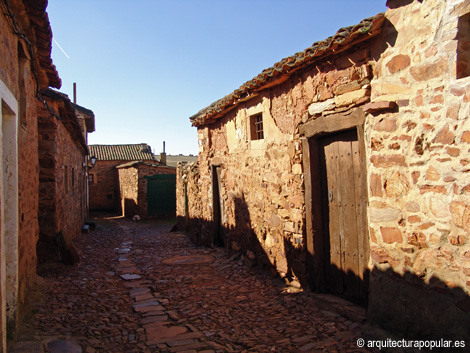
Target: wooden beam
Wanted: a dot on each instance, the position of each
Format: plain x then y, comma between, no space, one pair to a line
332,123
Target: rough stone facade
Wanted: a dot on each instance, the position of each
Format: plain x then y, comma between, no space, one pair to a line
25,67
104,186
133,186
404,93
104,179
418,170
63,173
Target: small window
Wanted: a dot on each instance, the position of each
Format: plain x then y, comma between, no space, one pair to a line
256,127
463,47
110,196
91,178
73,178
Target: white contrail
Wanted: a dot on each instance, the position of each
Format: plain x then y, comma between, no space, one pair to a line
63,51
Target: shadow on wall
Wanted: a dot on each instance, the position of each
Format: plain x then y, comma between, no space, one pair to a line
129,207
402,304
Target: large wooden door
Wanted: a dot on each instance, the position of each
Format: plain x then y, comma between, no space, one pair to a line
343,198
161,195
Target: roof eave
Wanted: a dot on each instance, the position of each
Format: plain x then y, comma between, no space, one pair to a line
344,39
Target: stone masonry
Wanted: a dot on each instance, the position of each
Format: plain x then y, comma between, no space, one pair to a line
25,68
133,185
406,93
63,175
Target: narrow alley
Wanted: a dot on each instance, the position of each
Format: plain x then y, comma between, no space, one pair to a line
141,288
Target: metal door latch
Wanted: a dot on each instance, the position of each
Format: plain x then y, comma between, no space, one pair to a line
330,195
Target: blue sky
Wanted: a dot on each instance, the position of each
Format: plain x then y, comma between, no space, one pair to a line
145,66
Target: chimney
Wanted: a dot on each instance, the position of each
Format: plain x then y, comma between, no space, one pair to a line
163,155
74,93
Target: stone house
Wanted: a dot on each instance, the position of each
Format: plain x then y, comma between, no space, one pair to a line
25,69
344,168
104,178
63,162
147,189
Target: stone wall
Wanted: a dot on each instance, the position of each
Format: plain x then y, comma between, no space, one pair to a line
419,174
133,186
22,74
188,207
261,181
128,184
62,189
19,229
104,190
409,83
28,185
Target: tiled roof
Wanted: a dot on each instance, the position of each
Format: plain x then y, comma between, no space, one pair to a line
282,70
137,152
88,115
137,163
36,10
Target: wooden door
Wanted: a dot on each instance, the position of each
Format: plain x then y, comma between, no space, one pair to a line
161,195
343,198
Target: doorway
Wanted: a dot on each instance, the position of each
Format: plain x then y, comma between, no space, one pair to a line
335,175
343,205
217,209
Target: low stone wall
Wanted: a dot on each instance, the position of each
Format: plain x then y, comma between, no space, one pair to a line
133,186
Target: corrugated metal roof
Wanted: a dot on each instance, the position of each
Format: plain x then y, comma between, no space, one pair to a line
281,71
137,152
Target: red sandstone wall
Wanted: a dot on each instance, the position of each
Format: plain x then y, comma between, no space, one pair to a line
262,185
71,200
62,177
104,190
417,167
133,187
128,184
419,175
17,75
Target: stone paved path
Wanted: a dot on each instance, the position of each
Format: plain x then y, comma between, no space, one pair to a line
140,288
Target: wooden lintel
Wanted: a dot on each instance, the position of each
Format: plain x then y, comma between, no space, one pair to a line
332,123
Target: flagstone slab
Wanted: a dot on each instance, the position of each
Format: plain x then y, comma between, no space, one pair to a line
130,277
159,334
62,346
189,260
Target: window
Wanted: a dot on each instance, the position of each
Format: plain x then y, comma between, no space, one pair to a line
463,47
110,196
91,178
256,127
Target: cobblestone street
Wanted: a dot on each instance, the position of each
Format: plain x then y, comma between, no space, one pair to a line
140,288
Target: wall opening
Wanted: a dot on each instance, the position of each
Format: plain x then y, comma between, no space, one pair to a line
9,207
256,127
217,207
463,47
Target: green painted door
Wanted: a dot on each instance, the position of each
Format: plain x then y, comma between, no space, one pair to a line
161,195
